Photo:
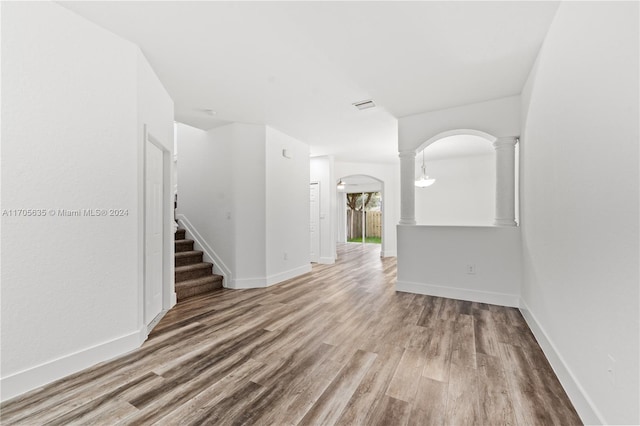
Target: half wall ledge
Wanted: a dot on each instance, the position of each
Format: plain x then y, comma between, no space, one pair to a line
474,263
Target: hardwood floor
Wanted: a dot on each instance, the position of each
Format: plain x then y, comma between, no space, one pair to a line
335,346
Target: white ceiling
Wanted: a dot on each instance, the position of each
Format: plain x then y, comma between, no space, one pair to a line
299,66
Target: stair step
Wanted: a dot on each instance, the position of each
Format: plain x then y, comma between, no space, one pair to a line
190,272
180,234
198,286
188,258
183,245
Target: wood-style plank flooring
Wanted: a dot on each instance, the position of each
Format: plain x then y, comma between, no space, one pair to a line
335,346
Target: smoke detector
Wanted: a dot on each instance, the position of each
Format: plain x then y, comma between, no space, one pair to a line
364,104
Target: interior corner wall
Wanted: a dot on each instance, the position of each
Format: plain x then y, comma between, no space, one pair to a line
463,195
248,204
390,175
580,206
287,207
205,191
321,171
70,284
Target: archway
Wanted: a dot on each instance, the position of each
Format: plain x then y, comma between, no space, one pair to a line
455,132
506,176
463,168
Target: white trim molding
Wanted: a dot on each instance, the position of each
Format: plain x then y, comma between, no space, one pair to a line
492,298
326,261
245,283
585,407
32,378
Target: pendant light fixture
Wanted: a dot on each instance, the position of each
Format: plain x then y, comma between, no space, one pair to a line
423,181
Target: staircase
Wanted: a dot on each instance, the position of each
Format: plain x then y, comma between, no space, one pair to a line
193,276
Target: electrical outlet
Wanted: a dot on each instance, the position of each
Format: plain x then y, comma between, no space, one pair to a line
611,369
471,269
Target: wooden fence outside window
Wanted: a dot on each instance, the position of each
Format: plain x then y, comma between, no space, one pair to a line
373,224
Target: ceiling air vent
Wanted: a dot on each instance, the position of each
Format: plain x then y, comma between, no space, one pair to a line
364,104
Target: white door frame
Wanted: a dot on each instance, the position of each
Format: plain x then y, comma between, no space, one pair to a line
167,230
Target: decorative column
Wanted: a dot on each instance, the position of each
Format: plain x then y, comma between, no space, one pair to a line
505,181
407,188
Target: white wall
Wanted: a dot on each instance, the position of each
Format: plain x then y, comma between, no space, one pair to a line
434,260
321,171
463,194
155,115
287,208
71,121
490,119
205,192
155,106
498,118
389,174
248,177
580,206
245,204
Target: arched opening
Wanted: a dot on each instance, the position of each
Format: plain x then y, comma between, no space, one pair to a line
463,164
360,216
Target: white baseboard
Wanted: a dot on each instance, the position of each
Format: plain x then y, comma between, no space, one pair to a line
390,253
32,378
326,261
245,283
210,255
501,299
155,322
287,275
587,411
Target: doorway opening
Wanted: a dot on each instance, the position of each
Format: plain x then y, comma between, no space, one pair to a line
361,211
364,217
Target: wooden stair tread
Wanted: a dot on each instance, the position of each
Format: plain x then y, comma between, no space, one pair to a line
197,286
188,253
201,265
199,281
